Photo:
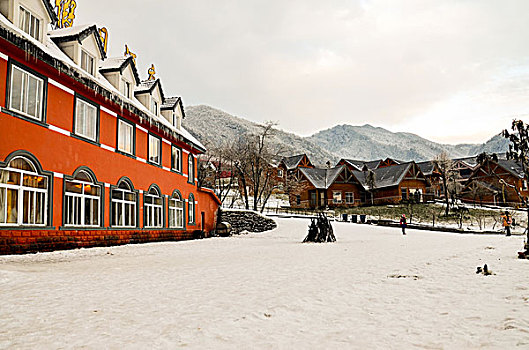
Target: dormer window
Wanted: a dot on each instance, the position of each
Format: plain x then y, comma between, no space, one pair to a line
125,88
87,62
154,107
29,23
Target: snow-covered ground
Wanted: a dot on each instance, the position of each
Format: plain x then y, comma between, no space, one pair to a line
270,291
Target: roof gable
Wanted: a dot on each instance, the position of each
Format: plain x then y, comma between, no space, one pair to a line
148,86
79,34
121,65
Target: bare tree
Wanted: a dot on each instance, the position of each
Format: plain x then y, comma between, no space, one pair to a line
216,172
371,184
446,168
253,157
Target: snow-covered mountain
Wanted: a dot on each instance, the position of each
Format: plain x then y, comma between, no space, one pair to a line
215,127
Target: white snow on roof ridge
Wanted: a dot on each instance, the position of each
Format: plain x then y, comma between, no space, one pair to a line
53,50
57,33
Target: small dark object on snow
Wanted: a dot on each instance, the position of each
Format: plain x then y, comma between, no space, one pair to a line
484,270
320,230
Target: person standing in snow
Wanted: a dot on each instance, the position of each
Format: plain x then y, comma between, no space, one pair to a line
403,223
506,221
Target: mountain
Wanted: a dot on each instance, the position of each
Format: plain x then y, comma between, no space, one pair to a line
215,127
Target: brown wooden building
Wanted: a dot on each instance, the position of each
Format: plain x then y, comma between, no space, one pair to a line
495,183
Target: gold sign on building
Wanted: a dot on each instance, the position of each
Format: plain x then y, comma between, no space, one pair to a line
130,54
151,72
103,34
65,12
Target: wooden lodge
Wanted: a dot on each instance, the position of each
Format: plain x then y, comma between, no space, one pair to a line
347,184
497,183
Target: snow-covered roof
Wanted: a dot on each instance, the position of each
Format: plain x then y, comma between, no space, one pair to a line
114,64
321,178
170,102
48,52
78,33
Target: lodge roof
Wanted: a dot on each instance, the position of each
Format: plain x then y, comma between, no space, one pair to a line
77,33
171,102
359,164
293,161
386,176
49,53
512,167
426,167
118,64
322,178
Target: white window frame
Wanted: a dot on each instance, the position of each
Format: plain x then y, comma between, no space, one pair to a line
124,124
127,206
191,209
176,211
153,211
351,196
21,191
87,62
24,93
152,141
82,105
31,26
191,168
126,88
154,106
176,166
71,213
334,197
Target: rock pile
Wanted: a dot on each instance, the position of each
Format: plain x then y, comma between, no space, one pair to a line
251,221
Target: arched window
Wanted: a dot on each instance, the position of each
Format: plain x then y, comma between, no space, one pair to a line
153,208
191,209
123,205
23,194
82,200
176,211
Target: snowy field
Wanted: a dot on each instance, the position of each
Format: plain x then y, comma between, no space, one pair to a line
269,291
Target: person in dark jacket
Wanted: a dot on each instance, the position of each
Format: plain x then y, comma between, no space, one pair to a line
403,223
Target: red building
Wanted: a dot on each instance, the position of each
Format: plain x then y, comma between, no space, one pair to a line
89,154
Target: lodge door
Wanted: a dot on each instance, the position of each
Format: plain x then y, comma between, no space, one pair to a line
322,199
203,220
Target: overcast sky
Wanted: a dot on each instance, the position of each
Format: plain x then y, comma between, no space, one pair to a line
451,71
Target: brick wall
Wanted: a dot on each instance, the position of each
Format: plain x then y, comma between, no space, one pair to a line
32,241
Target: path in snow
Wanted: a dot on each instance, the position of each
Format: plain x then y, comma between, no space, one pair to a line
270,291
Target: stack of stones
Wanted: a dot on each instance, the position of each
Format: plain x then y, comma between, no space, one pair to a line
250,221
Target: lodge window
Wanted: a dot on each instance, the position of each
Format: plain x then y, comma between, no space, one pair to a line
23,194
404,193
26,93
190,168
153,208
29,23
155,151
298,199
524,185
337,197
349,197
125,137
191,209
176,211
86,119
82,201
123,199
280,173
176,159
87,62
